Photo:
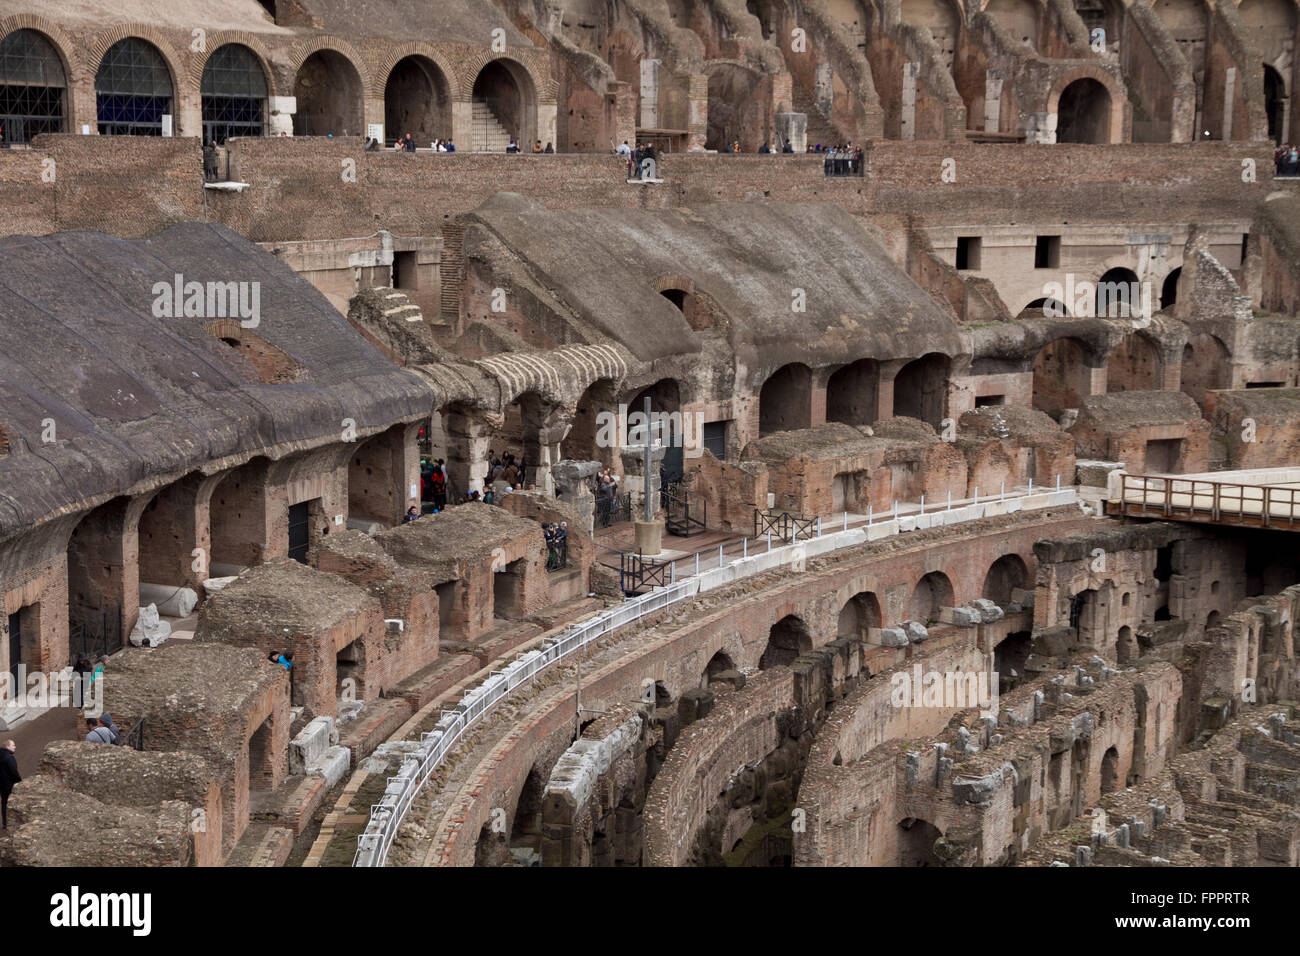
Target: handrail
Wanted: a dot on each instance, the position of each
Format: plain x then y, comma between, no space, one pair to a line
386,816
1271,505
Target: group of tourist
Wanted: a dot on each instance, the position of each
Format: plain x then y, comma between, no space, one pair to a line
538,149
557,544
635,156
843,160
407,144
1286,160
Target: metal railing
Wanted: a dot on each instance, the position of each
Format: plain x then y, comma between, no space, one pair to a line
785,526
1199,499
386,816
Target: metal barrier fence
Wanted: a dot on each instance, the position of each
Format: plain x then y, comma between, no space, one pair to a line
386,816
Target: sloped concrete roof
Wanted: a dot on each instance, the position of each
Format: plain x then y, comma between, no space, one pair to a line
468,21
750,258
132,397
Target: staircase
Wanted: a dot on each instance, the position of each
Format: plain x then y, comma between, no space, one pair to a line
820,129
487,135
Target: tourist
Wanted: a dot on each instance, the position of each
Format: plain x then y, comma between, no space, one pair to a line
107,720
411,514
9,776
451,147
489,496
210,162
284,660
765,149
513,147
97,732
537,148
372,145
410,143
549,150
788,148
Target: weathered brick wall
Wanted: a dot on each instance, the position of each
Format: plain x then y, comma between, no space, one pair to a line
297,190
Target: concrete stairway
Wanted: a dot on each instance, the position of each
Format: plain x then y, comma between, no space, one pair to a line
487,135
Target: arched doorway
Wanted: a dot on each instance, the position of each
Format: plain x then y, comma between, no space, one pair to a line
1046,307
1169,288
718,664
504,105
328,90
859,614
33,87
133,90
666,424
233,91
1207,365
785,401
852,393
738,110
1005,575
1119,294
417,100
931,593
593,435
1134,366
788,638
1062,376
921,389
1083,113
1274,102
916,843
1110,771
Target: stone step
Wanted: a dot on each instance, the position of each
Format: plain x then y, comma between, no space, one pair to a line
263,844
291,804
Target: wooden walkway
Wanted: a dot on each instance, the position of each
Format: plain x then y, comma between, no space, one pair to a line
1207,501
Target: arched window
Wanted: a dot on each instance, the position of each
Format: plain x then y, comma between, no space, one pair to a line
234,94
32,87
133,90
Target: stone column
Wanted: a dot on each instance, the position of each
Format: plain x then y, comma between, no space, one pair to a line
469,435
280,111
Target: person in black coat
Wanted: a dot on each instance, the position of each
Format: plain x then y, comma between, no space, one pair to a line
9,776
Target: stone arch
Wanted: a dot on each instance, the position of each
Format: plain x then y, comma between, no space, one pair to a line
438,58
859,613
509,90
1126,646
43,107
853,393
1083,113
1134,365
931,593
785,400
1087,116
234,91
217,39
1045,306
329,85
738,109
584,442
123,111
1169,288
921,389
1116,298
535,67
1272,25
718,663
787,639
417,100
1062,375
1207,365
916,843
1110,770
1274,101
1004,575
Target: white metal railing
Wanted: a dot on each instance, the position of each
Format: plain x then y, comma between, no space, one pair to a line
386,816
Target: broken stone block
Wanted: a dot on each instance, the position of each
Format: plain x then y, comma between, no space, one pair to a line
987,610
916,631
892,637
959,616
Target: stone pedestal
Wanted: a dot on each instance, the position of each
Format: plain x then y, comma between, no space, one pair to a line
573,485
649,537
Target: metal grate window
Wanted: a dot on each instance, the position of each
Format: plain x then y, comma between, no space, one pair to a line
133,89
234,94
32,84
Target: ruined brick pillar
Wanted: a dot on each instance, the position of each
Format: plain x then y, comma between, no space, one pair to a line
104,564
469,435
175,538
